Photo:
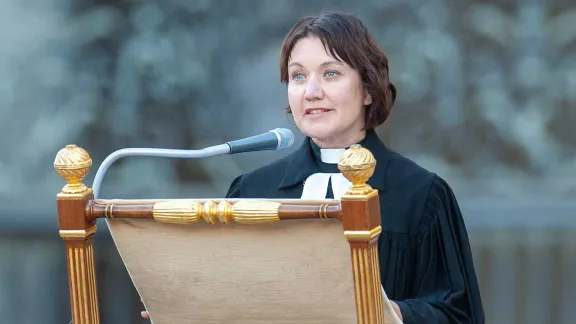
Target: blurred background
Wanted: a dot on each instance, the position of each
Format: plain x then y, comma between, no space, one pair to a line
487,99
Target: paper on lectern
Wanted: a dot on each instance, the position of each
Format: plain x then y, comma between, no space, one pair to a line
390,316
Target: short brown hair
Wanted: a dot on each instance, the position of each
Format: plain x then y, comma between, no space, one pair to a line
345,36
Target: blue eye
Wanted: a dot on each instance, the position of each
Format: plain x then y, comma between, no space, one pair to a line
298,76
331,74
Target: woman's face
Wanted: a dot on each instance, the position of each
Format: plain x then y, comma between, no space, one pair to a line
326,96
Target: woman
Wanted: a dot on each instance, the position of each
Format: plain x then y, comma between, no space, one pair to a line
338,92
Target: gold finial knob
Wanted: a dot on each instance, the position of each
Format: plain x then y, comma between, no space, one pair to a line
357,165
73,163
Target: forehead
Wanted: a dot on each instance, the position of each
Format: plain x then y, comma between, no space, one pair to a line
310,51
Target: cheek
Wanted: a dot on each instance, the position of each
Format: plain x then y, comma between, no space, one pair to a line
295,96
351,97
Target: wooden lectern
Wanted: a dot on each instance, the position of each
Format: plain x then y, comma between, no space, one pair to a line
231,260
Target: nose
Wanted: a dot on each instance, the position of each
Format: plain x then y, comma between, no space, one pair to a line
314,90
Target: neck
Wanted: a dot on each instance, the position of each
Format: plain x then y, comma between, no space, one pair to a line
338,143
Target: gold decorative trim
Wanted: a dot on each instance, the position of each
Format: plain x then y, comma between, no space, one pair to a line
363,236
108,211
211,212
74,196
367,284
187,211
177,211
78,234
256,212
359,189
73,163
357,164
365,196
83,295
377,285
225,212
323,211
78,164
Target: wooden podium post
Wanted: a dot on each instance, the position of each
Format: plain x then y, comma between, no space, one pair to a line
361,222
73,163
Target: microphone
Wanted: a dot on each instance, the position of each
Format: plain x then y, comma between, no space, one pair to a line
276,139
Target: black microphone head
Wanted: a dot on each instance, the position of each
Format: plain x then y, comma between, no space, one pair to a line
285,138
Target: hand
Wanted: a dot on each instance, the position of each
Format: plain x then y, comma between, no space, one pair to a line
397,310
144,313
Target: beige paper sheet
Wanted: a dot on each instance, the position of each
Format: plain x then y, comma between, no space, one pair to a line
296,271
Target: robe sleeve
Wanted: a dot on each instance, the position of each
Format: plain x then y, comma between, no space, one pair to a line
446,290
234,189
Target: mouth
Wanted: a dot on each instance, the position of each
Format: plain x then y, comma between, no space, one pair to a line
316,112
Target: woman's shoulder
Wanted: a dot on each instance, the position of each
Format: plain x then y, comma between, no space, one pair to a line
260,181
404,173
414,192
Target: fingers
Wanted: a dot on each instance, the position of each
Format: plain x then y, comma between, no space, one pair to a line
144,314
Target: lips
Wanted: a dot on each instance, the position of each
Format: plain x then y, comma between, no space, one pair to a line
316,111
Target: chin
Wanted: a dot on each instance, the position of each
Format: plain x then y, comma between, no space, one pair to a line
319,132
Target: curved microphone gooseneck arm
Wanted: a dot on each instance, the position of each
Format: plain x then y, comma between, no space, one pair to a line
154,152
276,139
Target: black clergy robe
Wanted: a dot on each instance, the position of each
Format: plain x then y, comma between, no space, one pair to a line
426,264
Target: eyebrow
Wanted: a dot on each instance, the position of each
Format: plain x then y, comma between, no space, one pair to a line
327,63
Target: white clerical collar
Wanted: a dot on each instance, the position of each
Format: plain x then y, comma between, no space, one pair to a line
316,185
331,156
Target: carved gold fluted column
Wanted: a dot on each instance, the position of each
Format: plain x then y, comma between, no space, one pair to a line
361,222
73,163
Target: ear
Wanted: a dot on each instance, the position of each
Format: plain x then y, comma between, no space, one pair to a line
367,99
